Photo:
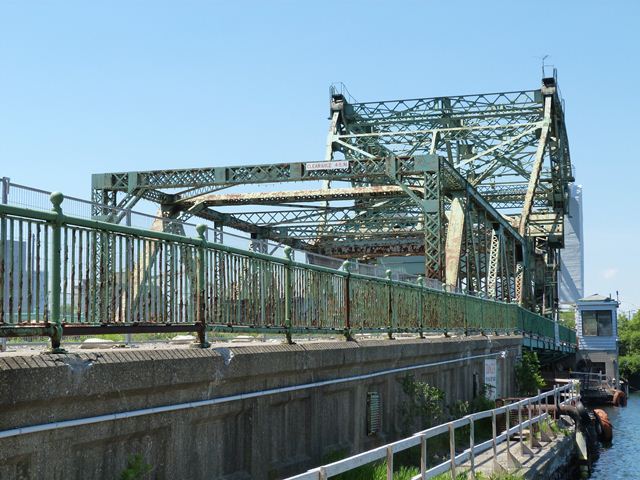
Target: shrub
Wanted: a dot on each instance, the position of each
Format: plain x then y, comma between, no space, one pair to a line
528,378
423,403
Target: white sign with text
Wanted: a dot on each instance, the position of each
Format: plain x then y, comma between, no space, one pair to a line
337,165
491,378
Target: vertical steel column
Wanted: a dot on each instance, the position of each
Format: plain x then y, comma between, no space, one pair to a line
432,208
520,287
494,263
56,287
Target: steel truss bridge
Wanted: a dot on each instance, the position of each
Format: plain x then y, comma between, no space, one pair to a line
477,184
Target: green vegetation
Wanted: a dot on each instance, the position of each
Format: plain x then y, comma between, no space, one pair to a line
136,469
378,471
629,334
424,407
375,471
423,403
568,319
528,377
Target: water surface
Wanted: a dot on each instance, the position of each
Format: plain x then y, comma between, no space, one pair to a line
622,458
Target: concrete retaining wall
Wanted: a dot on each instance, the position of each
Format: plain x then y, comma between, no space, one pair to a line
261,438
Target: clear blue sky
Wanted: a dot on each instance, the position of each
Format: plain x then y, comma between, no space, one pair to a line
133,85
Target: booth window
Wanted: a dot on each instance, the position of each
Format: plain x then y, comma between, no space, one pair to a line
597,323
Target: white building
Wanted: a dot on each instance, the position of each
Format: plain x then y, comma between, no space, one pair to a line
571,281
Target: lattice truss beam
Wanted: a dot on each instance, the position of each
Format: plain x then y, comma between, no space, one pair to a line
476,183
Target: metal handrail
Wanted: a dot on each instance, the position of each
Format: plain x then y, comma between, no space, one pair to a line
386,452
468,311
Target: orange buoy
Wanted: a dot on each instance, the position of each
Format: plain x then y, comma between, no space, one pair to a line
619,399
605,424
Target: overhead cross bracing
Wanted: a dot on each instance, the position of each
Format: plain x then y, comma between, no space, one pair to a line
475,183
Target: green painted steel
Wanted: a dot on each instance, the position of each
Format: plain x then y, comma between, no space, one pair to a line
159,280
434,177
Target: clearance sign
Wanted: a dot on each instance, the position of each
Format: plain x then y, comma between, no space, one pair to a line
337,165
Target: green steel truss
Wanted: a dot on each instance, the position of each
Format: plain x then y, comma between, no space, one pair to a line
476,183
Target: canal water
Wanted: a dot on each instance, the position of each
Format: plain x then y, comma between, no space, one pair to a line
621,459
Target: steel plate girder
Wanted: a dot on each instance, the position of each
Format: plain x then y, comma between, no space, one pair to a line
300,196
359,169
374,248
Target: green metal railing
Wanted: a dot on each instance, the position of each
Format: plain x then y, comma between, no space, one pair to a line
66,275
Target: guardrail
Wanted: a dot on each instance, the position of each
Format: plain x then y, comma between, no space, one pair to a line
62,274
386,452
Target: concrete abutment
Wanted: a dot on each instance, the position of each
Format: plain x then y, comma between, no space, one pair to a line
261,436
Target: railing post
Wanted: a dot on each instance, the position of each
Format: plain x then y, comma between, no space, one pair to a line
507,422
288,293
443,313
466,314
524,450
6,183
472,442
420,282
389,463
512,461
322,474
4,199
201,291
532,439
56,199
494,441
346,267
390,305
128,337
546,405
452,449
423,457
